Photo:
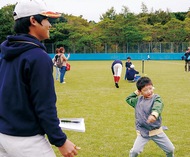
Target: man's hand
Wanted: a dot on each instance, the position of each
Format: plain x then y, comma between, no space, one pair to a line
69,149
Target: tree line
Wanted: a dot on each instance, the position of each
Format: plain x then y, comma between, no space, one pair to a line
113,31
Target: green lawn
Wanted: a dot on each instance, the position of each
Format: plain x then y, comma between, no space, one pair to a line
90,93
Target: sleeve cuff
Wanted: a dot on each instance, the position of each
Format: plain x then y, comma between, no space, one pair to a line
155,114
136,92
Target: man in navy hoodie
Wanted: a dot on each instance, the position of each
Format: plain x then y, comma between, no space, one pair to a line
27,94
132,74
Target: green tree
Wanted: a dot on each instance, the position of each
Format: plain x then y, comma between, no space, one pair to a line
187,28
180,15
158,17
104,27
7,22
78,28
110,14
144,8
114,31
175,31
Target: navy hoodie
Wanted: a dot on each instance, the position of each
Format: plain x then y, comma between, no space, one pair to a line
27,93
131,74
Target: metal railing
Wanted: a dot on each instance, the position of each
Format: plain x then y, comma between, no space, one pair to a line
144,47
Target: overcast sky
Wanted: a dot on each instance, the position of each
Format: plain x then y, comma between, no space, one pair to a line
93,9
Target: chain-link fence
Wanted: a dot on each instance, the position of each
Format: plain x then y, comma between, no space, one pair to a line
145,47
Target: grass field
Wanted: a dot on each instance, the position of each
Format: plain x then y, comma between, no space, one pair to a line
90,93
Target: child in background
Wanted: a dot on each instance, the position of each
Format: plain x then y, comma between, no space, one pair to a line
187,61
54,62
132,74
148,107
63,69
148,57
127,65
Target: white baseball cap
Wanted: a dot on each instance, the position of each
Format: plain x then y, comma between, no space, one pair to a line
25,8
132,66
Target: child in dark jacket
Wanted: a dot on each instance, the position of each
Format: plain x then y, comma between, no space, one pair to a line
131,74
128,63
